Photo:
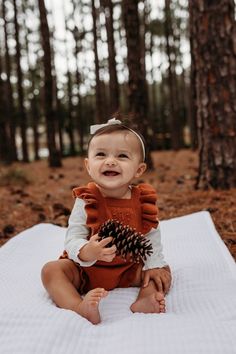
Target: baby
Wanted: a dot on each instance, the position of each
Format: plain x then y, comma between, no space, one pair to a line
89,267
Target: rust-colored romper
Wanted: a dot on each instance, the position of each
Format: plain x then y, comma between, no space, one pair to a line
140,212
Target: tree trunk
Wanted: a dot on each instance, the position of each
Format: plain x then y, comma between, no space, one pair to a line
70,123
32,73
154,115
78,36
9,94
70,126
113,83
137,89
4,139
143,32
20,90
213,33
193,93
99,101
54,154
35,115
79,115
175,124
57,106
154,84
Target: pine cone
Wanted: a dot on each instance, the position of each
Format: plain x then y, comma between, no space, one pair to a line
128,241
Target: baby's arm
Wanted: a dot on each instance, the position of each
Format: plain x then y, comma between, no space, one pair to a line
155,266
79,248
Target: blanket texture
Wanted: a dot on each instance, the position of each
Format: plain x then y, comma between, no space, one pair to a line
201,305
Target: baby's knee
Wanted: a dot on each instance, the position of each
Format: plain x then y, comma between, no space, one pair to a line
48,271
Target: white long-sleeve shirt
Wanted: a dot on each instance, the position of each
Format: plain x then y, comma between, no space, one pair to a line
78,231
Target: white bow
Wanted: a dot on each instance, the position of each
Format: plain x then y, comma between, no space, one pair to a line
94,128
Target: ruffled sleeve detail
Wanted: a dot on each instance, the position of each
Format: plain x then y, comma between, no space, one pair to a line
91,196
148,199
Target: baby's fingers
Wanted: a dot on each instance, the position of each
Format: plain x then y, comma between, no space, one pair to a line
94,237
105,241
110,250
108,257
166,283
159,284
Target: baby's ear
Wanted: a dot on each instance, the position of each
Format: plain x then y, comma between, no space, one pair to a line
86,164
141,169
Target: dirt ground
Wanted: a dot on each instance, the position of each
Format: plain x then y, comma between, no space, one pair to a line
34,193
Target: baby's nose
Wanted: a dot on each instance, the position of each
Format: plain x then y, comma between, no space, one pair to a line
111,161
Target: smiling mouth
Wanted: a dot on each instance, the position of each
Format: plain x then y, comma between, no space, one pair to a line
110,173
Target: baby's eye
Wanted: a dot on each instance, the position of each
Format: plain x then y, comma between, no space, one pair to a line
100,154
123,156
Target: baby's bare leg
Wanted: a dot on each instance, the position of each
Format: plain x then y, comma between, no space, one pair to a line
149,300
61,279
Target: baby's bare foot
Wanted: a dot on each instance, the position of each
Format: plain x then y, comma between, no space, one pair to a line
88,307
154,303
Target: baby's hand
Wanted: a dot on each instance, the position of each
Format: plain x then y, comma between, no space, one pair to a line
97,250
160,276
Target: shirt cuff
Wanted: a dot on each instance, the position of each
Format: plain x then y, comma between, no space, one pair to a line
153,264
74,255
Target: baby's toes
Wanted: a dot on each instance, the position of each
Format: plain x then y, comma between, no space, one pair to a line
161,300
95,300
101,292
162,306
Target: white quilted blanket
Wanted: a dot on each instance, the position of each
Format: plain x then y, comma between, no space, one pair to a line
201,305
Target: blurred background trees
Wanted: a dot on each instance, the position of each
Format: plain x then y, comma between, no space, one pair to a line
171,64
213,36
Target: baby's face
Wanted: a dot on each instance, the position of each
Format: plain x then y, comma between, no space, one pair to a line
114,160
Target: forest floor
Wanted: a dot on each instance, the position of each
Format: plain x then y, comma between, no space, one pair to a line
34,193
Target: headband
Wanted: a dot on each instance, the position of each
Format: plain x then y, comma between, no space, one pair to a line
114,121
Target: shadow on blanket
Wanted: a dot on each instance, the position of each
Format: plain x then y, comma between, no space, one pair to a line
201,305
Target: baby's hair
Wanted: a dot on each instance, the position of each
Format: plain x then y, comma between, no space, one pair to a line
120,127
